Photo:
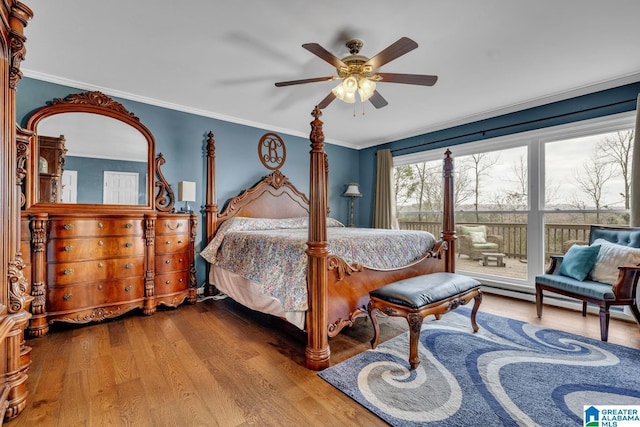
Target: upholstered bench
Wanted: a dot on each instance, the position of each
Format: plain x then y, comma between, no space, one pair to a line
417,297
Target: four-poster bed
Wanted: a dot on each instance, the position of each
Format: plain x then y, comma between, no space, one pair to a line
336,290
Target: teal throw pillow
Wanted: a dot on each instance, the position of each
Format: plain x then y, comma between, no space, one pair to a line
578,261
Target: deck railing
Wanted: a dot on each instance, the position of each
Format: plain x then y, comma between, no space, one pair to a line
514,235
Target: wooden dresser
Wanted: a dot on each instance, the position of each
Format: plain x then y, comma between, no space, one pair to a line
127,250
90,268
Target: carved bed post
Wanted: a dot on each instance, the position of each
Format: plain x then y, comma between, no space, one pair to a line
211,206
448,218
317,351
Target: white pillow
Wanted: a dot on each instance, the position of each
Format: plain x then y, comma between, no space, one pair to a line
477,237
610,257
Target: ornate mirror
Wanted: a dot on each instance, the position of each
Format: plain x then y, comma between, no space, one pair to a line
87,149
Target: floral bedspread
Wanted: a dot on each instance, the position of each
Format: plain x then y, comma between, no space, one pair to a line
271,252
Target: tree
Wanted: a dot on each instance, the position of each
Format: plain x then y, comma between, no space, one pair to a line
480,165
405,185
596,172
617,149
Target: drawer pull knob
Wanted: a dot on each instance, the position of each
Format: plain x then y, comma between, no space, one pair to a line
128,266
68,248
67,297
168,282
180,260
128,244
68,271
100,225
168,261
180,280
100,243
178,225
168,242
67,226
100,265
179,241
128,288
128,225
99,287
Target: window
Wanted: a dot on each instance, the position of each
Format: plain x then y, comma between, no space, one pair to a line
585,171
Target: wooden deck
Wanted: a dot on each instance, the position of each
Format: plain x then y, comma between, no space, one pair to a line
514,267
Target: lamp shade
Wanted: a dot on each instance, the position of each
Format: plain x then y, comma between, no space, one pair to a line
353,190
186,191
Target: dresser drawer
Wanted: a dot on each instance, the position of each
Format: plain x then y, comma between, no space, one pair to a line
172,226
94,270
172,262
171,282
172,244
65,250
72,297
61,228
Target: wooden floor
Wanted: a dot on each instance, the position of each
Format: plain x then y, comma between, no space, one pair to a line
216,363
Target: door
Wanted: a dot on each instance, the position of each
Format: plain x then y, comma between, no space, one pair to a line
120,188
69,186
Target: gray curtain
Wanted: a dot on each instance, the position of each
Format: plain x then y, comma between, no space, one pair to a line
384,205
635,173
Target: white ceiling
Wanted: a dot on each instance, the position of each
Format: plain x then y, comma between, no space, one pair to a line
221,59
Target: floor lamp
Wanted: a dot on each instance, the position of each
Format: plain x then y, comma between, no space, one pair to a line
352,192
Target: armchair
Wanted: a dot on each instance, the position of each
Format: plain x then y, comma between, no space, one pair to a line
473,241
612,280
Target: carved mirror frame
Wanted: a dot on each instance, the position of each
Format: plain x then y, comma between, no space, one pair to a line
94,103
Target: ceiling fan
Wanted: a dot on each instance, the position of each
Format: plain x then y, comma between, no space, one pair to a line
360,74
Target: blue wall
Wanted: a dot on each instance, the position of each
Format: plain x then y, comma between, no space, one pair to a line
597,104
181,138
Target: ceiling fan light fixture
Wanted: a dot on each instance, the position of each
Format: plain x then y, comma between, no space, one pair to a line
349,97
338,91
366,88
350,84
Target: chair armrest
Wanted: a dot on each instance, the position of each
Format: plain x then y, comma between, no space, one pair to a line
625,287
495,239
554,264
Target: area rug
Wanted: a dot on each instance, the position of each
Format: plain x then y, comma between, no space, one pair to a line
508,373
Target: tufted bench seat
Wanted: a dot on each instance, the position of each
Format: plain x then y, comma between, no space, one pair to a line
417,297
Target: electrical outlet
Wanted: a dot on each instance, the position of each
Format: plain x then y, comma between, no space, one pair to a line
200,291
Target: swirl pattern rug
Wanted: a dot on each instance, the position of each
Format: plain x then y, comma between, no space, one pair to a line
508,373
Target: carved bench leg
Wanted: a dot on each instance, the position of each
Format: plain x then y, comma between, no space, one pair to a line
415,325
376,328
476,305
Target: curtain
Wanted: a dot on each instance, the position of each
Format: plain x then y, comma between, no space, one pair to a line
384,205
635,173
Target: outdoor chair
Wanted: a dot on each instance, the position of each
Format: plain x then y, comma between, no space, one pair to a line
473,241
605,273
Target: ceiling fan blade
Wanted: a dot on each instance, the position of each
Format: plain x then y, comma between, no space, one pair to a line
411,79
299,82
377,100
395,50
326,101
323,53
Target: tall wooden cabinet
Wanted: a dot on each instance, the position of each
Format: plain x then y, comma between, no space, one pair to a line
50,167
15,355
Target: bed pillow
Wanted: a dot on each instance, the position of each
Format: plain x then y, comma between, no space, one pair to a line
578,261
610,257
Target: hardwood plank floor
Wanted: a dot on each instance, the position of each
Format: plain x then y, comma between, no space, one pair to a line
218,364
